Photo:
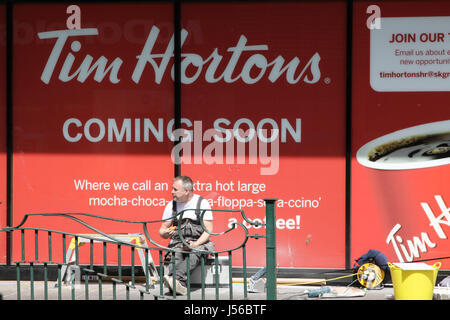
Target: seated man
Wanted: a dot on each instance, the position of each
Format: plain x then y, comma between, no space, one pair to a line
190,228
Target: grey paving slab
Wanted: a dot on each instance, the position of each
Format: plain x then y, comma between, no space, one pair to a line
40,291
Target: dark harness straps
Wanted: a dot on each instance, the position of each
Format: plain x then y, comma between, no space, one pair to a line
190,229
198,211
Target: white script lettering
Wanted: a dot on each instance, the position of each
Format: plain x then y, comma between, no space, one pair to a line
424,242
253,69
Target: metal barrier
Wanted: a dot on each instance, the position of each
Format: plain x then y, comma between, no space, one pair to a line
70,271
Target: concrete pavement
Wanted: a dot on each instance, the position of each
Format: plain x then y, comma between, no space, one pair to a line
8,289
107,291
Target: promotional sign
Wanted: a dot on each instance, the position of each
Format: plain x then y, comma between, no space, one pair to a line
410,54
262,114
92,118
263,100
401,131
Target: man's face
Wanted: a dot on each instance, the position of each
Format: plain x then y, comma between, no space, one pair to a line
178,192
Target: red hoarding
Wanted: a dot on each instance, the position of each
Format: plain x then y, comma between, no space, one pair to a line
263,112
90,122
400,172
263,83
279,68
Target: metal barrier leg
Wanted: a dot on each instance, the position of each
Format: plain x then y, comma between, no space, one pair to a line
270,250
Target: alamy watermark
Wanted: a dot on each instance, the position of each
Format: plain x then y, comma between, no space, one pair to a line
252,146
374,20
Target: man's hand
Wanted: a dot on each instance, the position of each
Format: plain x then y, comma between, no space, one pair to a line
192,244
171,231
167,230
204,238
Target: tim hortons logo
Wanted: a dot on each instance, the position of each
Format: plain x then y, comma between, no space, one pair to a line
245,62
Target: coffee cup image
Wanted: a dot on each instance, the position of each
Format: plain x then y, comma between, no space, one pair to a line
422,146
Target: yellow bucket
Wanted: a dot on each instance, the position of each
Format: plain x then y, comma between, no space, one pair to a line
414,281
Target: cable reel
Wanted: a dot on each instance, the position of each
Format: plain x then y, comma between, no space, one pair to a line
370,275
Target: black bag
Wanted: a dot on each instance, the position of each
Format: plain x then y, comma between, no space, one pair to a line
372,256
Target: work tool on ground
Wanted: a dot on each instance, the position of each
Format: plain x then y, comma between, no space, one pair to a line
370,275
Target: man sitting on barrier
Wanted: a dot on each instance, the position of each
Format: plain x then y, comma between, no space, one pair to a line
191,229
